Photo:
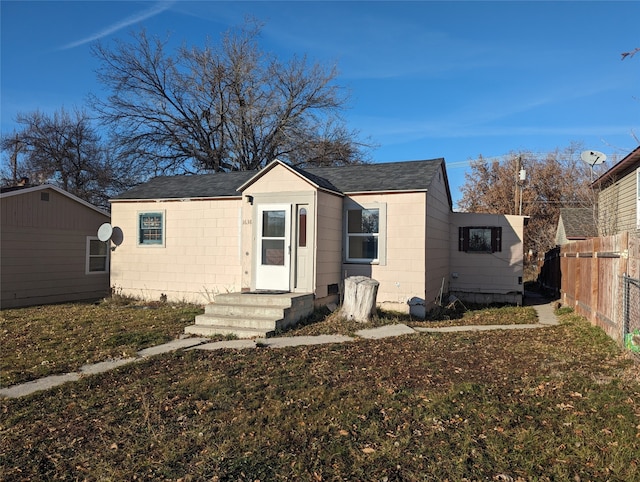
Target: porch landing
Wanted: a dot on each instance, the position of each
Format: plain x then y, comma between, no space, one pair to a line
251,315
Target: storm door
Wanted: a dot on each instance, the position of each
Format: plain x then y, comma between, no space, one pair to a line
273,257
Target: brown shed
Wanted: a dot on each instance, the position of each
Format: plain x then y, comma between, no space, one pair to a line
50,252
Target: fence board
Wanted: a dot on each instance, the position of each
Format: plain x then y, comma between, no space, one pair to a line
633,267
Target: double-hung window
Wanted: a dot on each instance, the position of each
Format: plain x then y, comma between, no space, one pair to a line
97,256
365,233
151,228
473,239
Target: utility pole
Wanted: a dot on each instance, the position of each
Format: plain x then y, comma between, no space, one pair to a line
521,177
515,190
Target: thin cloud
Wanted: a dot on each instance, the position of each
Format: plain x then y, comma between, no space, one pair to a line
131,20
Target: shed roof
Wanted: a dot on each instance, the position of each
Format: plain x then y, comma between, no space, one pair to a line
578,223
386,177
7,192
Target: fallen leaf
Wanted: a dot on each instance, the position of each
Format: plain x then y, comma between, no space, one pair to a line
368,450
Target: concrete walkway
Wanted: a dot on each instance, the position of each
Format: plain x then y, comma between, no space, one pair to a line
543,307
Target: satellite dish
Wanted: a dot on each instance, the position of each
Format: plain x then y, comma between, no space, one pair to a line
593,158
104,232
117,236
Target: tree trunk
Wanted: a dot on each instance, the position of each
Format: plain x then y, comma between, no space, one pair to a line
359,298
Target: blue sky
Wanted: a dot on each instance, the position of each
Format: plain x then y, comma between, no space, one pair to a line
427,79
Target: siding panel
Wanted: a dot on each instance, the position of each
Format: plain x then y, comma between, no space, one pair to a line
201,255
617,205
402,277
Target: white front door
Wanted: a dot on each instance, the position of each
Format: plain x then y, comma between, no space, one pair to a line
273,257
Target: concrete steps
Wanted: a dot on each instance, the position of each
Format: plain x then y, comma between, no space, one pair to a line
251,315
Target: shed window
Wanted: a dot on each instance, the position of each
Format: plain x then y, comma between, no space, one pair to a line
474,239
151,228
97,256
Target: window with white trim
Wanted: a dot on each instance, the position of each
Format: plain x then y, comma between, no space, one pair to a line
97,256
365,237
151,229
480,239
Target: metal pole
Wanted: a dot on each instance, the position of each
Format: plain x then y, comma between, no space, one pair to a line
515,204
520,211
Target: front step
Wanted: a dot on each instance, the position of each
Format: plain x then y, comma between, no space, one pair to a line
250,315
241,320
205,330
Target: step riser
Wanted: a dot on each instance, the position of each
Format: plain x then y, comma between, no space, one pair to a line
247,311
202,330
239,322
283,301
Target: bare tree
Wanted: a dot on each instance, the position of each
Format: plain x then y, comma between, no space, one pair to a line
334,146
65,150
556,180
630,54
221,107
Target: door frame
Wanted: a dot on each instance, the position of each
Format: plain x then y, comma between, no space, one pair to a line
292,199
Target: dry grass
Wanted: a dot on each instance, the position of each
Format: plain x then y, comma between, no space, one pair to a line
55,339
557,403
322,322
52,339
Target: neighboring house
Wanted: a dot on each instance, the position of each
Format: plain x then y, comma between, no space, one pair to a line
619,197
576,224
49,249
285,229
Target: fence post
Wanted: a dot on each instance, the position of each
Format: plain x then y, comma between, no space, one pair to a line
622,245
595,280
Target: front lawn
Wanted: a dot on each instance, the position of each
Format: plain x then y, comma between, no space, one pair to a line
554,403
53,339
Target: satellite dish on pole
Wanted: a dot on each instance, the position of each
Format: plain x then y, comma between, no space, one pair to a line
104,232
593,158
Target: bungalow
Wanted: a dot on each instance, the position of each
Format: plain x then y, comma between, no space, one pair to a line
50,251
290,230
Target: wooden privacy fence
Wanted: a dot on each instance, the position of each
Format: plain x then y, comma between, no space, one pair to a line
592,275
549,272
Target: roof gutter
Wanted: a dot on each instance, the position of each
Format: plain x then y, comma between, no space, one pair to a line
173,199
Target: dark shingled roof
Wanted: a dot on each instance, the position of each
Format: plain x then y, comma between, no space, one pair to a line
394,176
578,223
222,184
12,188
